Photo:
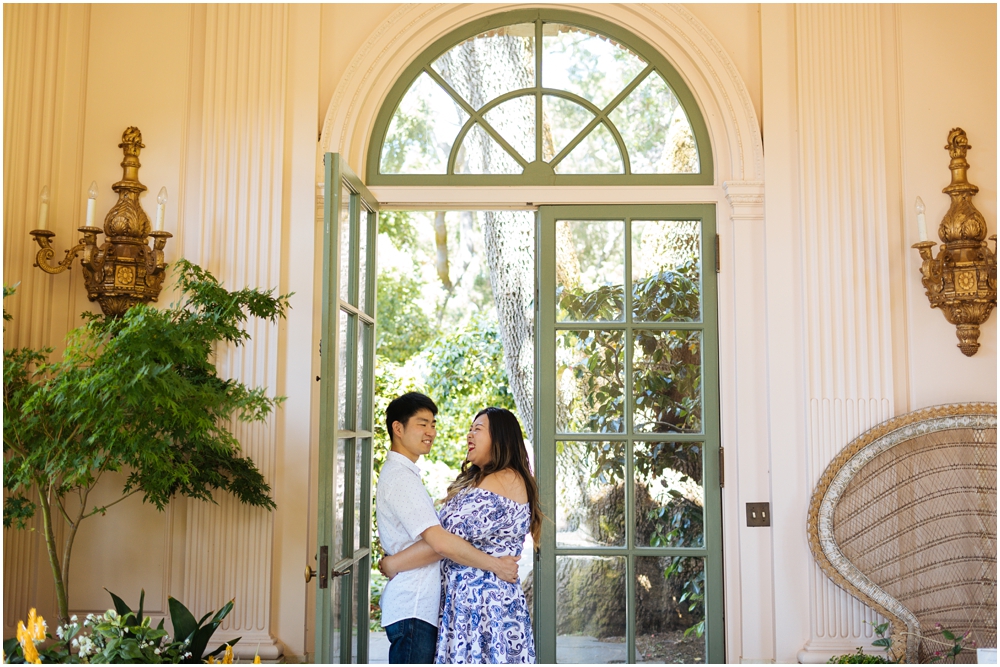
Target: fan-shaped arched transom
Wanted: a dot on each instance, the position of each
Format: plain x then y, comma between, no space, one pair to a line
543,98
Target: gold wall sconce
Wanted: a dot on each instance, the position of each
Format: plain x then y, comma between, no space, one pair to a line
962,279
125,269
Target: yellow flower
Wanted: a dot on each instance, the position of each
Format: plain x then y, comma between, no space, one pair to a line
227,659
210,661
31,654
28,635
256,660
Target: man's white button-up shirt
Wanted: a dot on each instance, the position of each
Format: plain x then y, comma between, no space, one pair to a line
404,511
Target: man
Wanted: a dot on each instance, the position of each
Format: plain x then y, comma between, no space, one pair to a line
411,601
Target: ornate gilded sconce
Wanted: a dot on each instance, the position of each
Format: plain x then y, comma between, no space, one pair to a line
962,280
125,269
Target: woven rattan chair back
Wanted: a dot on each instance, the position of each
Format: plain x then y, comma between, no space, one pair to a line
905,518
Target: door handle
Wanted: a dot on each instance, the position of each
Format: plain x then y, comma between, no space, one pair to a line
310,573
343,566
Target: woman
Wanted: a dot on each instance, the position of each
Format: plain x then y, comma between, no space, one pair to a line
493,504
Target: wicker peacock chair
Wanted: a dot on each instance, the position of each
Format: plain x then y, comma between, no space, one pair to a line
905,519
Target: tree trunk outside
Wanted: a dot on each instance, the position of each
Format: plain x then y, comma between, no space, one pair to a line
508,236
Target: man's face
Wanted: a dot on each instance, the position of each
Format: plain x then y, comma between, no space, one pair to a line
415,438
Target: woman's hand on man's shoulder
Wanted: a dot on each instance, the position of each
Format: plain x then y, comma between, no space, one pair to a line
506,483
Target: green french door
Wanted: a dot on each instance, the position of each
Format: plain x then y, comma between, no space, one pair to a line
628,435
350,221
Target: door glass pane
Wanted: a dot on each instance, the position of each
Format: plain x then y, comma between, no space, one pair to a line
481,154
670,601
422,130
590,270
359,457
337,546
656,130
365,218
490,64
589,382
355,584
666,270
515,121
598,153
342,372
666,382
364,413
345,244
590,494
590,609
593,66
562,120
669,496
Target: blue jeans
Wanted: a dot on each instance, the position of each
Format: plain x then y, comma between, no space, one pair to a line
411,642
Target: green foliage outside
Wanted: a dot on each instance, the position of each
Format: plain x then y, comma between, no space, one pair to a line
442,343
403,325
667,385
140,396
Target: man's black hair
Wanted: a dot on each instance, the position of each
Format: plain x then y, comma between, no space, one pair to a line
403,407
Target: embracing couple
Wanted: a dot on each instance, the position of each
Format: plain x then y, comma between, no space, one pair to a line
454,595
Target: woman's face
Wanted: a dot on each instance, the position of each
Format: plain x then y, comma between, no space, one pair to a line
479,442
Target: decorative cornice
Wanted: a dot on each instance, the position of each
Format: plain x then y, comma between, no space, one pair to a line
746,199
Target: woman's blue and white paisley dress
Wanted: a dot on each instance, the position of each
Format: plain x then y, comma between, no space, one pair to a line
484,620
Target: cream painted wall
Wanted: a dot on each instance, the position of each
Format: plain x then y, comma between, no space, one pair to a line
160,85
226,102
737,27
345,27
65,65
848,148
942,87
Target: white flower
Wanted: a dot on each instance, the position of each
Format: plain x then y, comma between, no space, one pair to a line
156,651
73,618
76,642
86,646
59,632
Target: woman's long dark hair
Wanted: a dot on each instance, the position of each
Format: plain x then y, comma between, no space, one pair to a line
507,451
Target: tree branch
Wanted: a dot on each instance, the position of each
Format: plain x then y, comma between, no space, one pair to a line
101,510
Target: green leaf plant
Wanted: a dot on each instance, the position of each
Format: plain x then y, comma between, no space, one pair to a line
121,635
141,396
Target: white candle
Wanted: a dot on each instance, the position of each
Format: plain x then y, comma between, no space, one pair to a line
161,205
921,221
91,203
43,210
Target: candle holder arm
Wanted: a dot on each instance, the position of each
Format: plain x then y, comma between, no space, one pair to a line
155,260
87,245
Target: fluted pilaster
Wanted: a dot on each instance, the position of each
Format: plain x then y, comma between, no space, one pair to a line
238,238
847,328
44,93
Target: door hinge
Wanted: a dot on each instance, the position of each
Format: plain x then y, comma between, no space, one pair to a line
722,467
718,260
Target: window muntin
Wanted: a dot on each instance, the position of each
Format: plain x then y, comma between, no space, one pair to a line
542,101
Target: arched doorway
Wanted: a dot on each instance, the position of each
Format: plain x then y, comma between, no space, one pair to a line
467,174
